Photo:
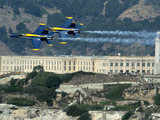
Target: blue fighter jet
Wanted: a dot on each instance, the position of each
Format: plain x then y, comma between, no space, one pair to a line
39,35
68,29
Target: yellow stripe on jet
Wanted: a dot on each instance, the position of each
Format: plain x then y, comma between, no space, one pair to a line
42,24
81,24
69,17
63,43
61,29
33,35
35,49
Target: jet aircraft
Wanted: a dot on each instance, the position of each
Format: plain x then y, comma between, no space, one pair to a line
39,35
45,33
69,28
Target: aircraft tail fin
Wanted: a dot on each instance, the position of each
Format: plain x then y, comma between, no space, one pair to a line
42,29
68,22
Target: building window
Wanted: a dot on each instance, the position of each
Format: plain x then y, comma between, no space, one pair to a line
111,64
74,68
69,68
148,64
143,64
116,64
83,67
127,64
121,71
132,64
138,64
116,71
54,67
121,64
152,64
143,71
64,68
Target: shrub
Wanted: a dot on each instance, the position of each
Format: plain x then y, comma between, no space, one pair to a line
130,107
21,102
78,110
75,110
127,115
115,92
157,99
12,89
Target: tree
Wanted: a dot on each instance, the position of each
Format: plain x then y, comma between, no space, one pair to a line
38,68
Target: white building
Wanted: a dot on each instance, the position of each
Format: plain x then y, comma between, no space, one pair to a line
69,64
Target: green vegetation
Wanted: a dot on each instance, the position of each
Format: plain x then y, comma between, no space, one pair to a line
127,115
13,89
114,92
21,102
76,110
82,110
40,84
157,99
130,107
111,102
85,116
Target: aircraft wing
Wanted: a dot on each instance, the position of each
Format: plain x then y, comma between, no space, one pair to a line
36,44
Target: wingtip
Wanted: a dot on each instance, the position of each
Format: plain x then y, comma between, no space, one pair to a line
35,49
81,24
69,17
63,43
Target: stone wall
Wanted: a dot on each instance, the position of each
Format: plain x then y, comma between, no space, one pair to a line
107,115
69,88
